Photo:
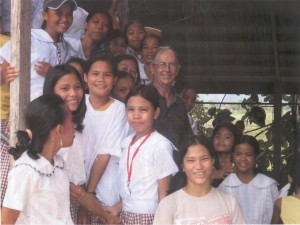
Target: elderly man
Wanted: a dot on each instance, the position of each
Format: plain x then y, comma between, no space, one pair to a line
173,121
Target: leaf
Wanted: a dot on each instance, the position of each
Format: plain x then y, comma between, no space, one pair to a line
257,115
240,126
212,111
254,98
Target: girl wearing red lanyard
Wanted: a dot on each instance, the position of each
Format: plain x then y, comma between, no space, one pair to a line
146,164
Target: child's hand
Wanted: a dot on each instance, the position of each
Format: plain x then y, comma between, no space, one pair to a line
82,216
42,68
10,74
76,192
110,219
113,220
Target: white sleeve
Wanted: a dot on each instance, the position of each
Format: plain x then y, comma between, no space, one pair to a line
5,51
118,131
164,164
21,184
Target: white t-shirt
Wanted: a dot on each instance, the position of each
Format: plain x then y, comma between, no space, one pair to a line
74,159
256,198
39,190
153,161
104,131
42,49
77,45
143,75
215,207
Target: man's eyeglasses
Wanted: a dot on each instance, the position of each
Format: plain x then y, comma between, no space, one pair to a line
164,65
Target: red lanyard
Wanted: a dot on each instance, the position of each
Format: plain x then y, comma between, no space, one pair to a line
129,167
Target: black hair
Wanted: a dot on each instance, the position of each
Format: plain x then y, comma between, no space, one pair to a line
147,36
108,17
295,174
133,22
120,58
103,58
53,76
235,132
180,178
78,60
147,92
42,115
123,74
117,34
247,139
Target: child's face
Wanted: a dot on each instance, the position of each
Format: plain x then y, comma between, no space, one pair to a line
70,90
117,46
149,47
223,140
135,34
244,158
60,20
189,98
100,79
140,114
122,88
198,165
97,27
128,66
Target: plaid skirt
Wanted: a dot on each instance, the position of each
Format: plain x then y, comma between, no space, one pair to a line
5,158
129,218
74,206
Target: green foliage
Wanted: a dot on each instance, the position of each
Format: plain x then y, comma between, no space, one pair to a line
254,118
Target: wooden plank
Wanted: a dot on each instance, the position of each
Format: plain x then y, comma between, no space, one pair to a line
20,58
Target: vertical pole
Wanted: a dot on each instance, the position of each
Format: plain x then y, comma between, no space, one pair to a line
123,13
20,58
277,106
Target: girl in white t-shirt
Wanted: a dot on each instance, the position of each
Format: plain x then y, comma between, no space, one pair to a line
38,187
66,82
48,46
105,126
146,164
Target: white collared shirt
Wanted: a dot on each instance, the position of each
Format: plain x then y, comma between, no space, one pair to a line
154,161
256,198
39,190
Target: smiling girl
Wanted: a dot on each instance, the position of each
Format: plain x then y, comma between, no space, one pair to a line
255,192
197,202
66,82
105,127
48,46
38,187
146,164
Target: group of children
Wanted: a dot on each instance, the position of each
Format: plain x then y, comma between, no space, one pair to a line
90,127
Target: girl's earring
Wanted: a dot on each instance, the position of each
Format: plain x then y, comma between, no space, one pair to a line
60,143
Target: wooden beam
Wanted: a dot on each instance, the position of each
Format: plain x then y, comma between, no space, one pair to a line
20,58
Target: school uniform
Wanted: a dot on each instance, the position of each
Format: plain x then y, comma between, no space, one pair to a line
104,131
43,48
74,166
153,161
39,190
256,198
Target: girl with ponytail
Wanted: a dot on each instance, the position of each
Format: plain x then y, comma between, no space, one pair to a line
38,183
